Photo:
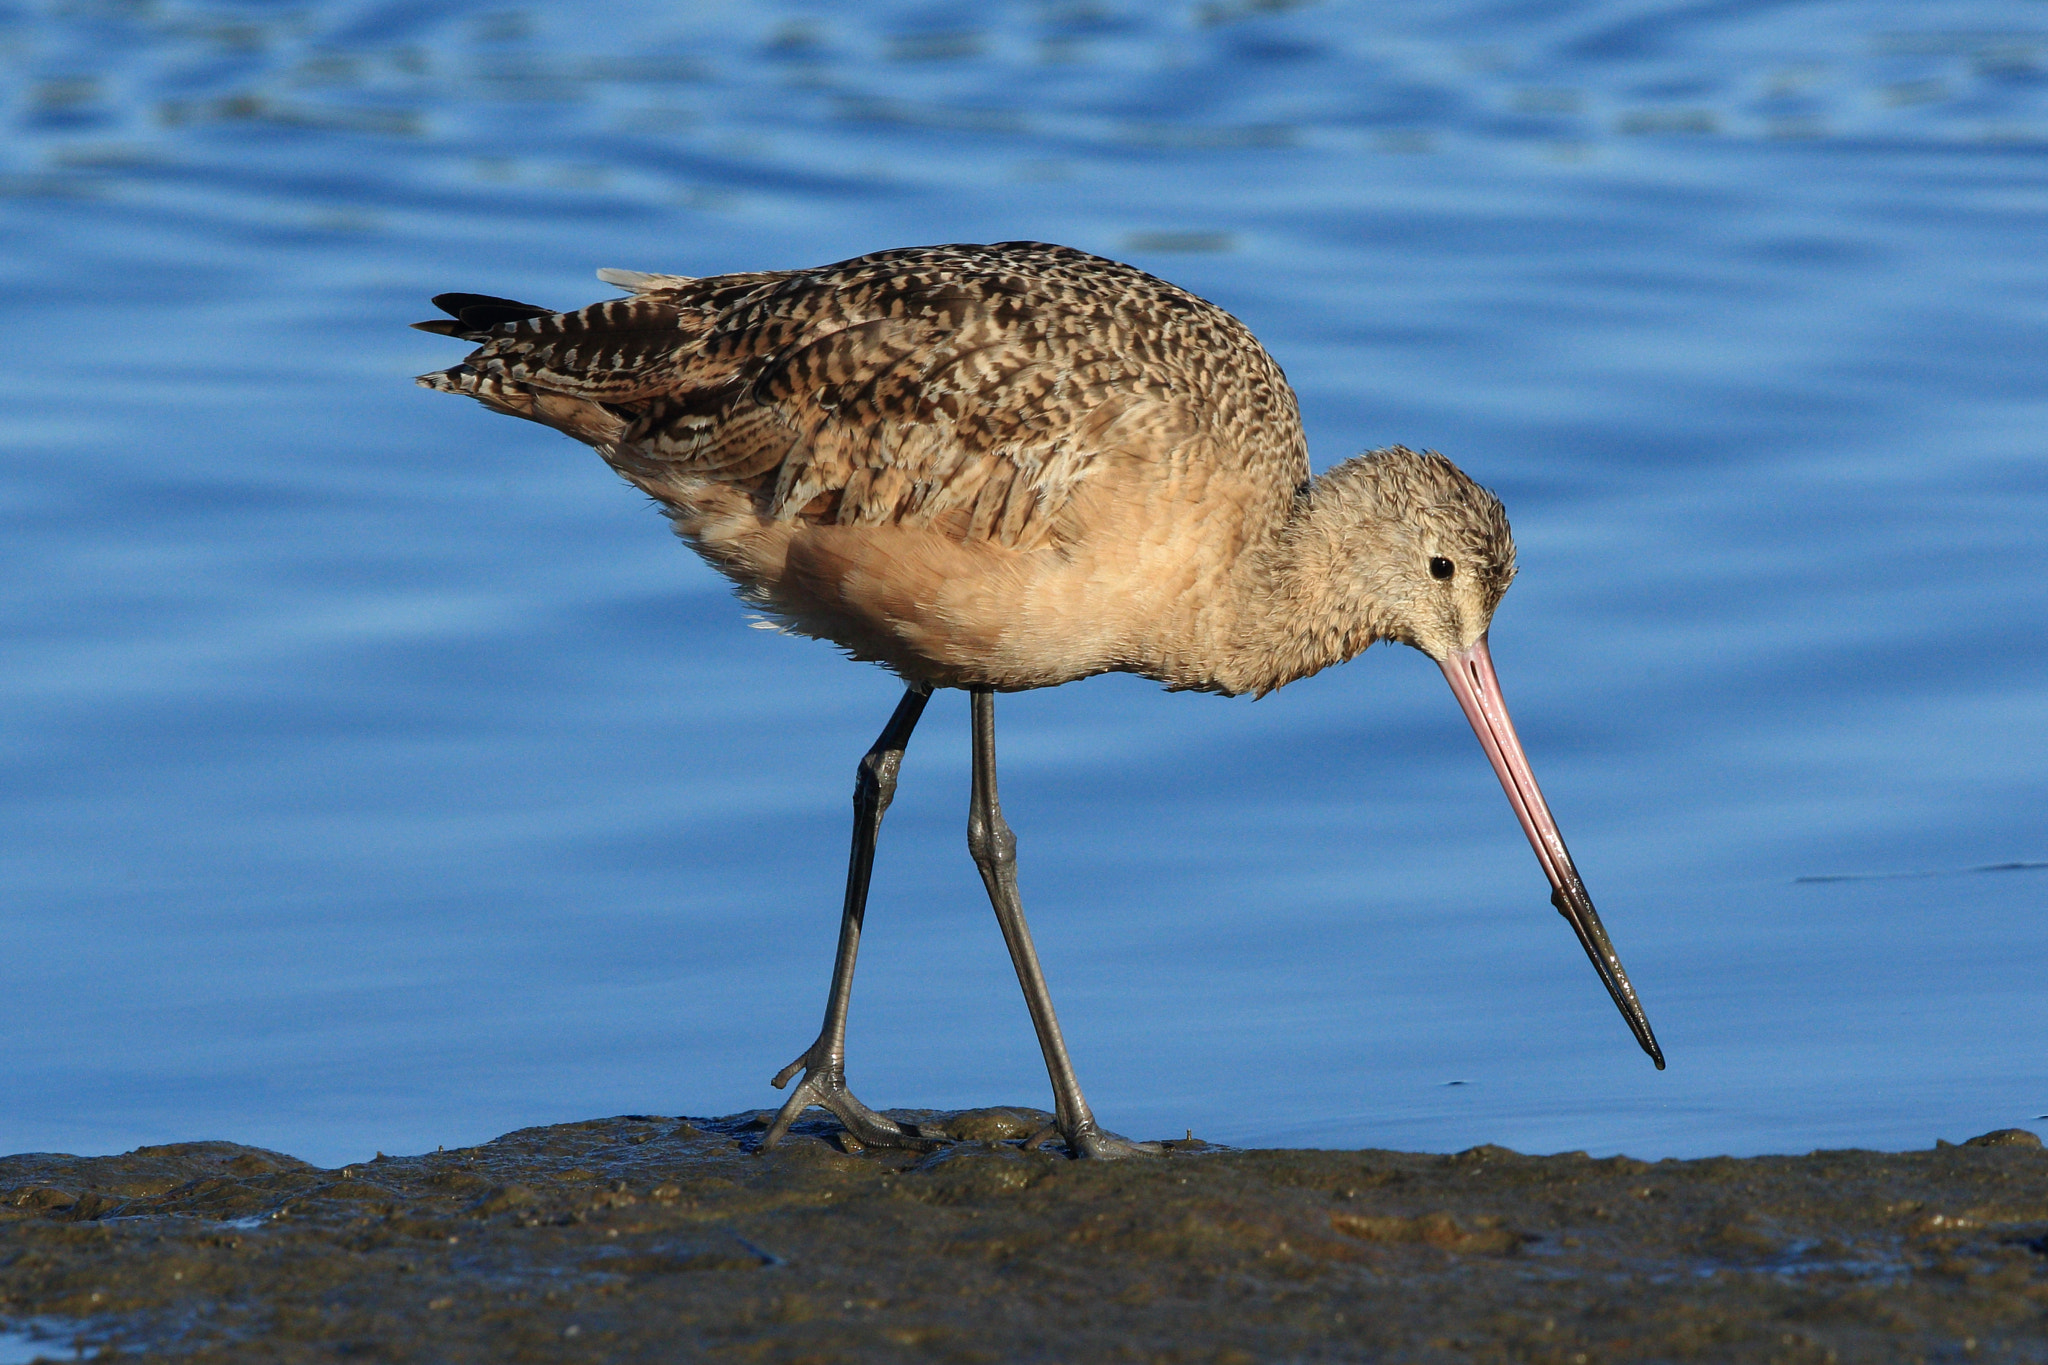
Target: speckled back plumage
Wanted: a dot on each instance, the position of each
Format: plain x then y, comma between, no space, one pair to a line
966,389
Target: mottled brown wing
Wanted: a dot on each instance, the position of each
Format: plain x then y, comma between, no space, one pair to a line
967,389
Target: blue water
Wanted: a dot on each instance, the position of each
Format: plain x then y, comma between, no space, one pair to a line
377,773
25,1348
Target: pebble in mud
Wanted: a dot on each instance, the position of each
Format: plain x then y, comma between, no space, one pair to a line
643,1237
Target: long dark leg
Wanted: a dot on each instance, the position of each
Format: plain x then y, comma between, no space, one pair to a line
824,1062
994,847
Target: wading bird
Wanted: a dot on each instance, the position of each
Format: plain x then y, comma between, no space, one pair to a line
1005,467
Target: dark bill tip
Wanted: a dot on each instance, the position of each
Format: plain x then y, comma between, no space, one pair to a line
1592,936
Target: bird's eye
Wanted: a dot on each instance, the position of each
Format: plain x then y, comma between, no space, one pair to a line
1439,567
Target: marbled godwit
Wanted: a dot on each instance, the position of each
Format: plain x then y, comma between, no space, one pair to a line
1004,467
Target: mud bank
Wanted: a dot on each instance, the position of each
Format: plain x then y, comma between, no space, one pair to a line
644,1238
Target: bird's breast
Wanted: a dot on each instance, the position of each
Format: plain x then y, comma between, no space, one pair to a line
1152,583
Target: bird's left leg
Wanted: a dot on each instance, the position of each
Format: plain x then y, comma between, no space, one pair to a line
824,1062
994,847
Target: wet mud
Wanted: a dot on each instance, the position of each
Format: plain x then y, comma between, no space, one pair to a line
649,1238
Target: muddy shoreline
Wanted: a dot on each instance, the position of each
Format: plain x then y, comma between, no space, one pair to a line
654,1238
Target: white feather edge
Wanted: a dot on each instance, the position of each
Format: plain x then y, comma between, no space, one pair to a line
640,282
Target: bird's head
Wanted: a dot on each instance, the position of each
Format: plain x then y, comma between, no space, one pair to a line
1423,551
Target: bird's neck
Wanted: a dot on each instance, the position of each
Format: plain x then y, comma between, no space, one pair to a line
1303,604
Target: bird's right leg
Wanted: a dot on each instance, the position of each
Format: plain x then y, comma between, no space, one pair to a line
994,849
824,1062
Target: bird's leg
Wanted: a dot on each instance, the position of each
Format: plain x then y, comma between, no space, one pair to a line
994,847
824,1062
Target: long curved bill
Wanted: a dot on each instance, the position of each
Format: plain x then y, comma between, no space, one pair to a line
1471,676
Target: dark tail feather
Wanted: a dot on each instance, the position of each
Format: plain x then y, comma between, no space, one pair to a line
474,316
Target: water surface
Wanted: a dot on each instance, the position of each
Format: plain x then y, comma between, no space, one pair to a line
378,773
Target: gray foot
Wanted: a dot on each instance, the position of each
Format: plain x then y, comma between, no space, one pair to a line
824,1084
1093,1143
